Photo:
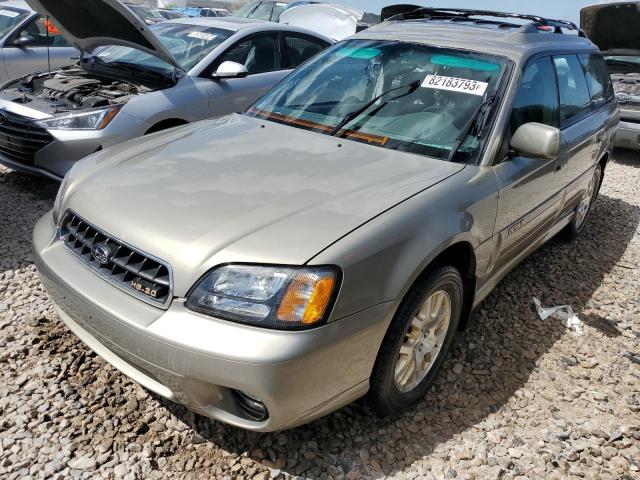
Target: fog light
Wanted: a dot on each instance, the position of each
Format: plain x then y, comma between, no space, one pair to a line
251,406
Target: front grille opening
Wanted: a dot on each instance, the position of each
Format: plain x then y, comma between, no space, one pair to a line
251,406
130,269
21,138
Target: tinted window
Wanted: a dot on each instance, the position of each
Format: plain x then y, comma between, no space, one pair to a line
575,99
258,53
537,97
598,79
299,49
40,32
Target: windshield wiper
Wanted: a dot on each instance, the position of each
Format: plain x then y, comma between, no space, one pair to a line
474,126
356,113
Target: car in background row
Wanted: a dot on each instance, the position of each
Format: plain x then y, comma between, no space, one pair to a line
29,42
139,80
269,10
150,16
614,29
169,14
202,12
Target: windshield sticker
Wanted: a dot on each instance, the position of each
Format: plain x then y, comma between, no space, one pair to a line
452,84
9,13
359,53
203,36
461,62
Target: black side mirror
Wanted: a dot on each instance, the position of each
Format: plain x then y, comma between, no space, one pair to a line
23,41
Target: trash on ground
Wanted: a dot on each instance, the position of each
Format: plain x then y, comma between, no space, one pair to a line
563,313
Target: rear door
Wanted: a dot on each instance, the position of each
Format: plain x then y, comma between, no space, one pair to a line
582,129
589,133
531,189
261,54
26,52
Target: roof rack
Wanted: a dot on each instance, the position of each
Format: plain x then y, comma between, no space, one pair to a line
409,12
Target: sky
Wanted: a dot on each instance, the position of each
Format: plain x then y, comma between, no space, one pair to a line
560,9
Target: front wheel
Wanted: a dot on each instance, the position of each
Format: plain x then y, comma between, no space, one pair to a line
574,229
417,342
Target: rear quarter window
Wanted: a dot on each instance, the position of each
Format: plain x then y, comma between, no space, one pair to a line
598,78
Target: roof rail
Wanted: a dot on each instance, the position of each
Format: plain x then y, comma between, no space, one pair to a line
409,12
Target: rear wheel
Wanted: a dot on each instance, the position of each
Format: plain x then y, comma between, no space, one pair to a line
574,229
417,342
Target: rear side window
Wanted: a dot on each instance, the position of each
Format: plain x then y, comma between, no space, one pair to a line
598,78
299,49
537,97
575,99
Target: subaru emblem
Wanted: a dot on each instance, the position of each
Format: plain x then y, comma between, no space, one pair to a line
101,254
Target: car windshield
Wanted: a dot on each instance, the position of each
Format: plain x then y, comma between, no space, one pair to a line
189,44
146,13
404,96
10,18
268,10
623,58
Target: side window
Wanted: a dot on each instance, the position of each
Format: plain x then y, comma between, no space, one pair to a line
537,97
300,48
39,31
575,99
598,78
258,53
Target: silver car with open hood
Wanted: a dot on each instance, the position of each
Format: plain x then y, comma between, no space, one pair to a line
134,80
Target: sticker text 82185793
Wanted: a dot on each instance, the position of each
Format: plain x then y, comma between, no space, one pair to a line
453,84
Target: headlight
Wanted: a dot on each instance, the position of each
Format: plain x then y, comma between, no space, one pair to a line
88,120
58,202
274,297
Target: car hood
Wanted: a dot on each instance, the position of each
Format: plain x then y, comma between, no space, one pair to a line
613,27
90,24
334,21
237,189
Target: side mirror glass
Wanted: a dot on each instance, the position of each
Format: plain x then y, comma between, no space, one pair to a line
230,70
22,41
536,140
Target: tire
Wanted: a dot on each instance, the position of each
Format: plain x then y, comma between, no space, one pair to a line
388,395
575,228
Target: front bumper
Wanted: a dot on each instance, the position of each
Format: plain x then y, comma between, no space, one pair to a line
199,361
628,135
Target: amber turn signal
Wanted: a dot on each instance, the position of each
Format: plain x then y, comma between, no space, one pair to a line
306,298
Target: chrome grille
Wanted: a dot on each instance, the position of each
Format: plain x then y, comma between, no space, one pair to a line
126,267
21,138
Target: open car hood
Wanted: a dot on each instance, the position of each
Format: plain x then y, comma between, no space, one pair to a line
613,27
89,24
333,21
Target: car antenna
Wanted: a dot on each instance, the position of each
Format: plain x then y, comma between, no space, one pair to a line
46,26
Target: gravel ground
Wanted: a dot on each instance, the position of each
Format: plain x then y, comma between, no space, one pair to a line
519,397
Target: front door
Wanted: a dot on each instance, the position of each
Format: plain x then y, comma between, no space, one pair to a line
260,53
30,53
531,189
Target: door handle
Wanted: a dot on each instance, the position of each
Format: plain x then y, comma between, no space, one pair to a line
74,58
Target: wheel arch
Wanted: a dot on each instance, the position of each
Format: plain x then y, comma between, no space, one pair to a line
166,124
